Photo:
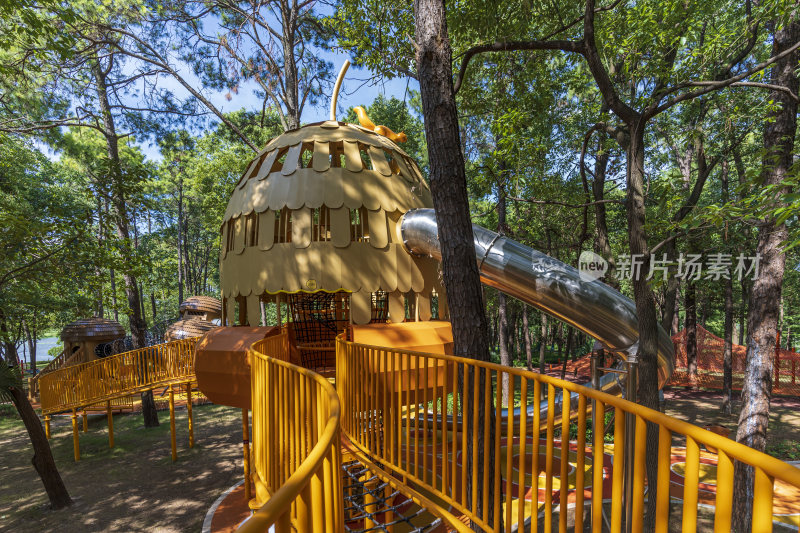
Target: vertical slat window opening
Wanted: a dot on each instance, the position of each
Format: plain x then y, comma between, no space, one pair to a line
251,230
283,225
380,307
365,158
359,225
307,155
321,224
337,154
230,234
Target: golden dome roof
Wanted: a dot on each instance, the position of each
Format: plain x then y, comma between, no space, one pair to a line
318,209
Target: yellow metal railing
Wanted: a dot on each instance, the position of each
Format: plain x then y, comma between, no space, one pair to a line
404,411
296,445
77,386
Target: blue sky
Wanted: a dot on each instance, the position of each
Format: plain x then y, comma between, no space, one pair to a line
360,87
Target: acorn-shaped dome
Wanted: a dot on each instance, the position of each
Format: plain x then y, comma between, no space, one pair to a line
188,328
205,307
94,329
317,210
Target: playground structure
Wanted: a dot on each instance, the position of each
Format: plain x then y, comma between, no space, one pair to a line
108,384
359,411
85,340
198,314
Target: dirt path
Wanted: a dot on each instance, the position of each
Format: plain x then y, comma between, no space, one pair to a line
135,486
703,407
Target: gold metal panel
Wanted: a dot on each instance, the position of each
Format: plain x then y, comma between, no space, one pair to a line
369,191
352,156
340,227
261,194
315,188
247,201
263,172
404,170
301,228
322,156
351,273
370,265
292,161
403,269
223,241
296,193
397,307
238,236
266,230
349,132
417,276
379,161
246,174
278,191
424,306
231,311
331,272
253,311
333,181
361,307
389,269
378,228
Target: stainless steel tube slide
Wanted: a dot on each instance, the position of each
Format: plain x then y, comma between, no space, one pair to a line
549,285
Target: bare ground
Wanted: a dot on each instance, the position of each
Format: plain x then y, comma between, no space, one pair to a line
703,407
133,487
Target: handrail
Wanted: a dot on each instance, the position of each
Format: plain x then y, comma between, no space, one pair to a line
296,447
412,413
116,376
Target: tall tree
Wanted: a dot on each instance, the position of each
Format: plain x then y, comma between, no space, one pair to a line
765,294
449,191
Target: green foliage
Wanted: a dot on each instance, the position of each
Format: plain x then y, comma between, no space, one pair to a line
394,114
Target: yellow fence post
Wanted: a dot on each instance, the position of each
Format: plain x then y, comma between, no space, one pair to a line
85,422
76,447
110,416
189,414
47,426
172,423
246,452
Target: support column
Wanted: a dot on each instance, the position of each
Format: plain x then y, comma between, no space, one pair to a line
189,414
76,445
47,426
85,422
630,437
110,417
246,452
172,424
598,424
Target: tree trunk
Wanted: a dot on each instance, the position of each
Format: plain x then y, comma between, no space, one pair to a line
118,200
543,344
502,303
567,352
42,456
727,351
526,335
449,191
765,295
645,301
179,235
30,336
690,325
602,243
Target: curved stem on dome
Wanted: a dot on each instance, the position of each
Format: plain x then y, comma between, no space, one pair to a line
336,88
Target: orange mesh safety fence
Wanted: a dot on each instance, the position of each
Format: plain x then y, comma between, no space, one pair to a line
710,367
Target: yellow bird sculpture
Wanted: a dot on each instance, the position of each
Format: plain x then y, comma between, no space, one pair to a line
365,122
